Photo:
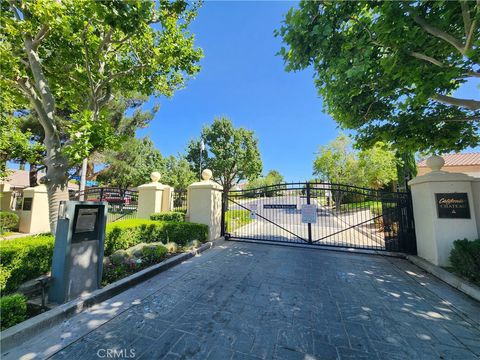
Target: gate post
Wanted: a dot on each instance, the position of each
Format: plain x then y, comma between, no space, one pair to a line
444,211
150,197
205,204
34,212
309,224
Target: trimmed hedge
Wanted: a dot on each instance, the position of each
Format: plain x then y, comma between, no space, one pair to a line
23,259
127,233
13,309
8,221
465,259
168,216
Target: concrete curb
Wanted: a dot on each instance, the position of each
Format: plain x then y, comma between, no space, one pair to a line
18,334
322,247
451,279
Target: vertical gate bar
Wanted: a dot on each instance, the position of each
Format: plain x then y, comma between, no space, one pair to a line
309,224
222,221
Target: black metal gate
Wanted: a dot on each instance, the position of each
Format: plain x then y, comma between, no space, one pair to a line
122,203
321,214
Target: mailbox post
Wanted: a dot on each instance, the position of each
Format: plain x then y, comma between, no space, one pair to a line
78,254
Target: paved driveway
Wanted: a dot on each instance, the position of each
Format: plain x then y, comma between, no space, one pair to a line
250,301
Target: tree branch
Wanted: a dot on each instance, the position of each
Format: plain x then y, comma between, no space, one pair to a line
427,58
432,30
467,22
42,33
41,82
31,93
467,103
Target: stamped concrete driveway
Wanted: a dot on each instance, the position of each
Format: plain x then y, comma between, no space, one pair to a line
250,301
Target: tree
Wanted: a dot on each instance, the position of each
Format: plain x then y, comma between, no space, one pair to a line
388,68
15,144
232,154
132,165
338,164
69,57
379,165
177,173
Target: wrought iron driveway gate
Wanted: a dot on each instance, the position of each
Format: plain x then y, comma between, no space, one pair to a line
321,214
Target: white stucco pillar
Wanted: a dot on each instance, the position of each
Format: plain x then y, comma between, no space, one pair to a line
167,198
34,215
150,197
205,204
434,194
5,197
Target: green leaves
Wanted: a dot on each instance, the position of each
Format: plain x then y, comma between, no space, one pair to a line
378,64
232,154
339,164
87,51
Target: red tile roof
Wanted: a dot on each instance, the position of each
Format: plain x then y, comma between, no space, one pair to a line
468,159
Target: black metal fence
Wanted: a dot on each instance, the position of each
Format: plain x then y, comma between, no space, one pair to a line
322,214
122,203
180,200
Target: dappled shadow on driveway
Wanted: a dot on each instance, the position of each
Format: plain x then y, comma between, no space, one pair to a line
254,301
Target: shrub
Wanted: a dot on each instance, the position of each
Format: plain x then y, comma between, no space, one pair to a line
465,259
8,221
23,259
13,309
127,233
171,247
168,216
154,253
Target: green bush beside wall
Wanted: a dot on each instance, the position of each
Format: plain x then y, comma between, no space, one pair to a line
168,216
23,259
8,221
13,309
465,259
127,233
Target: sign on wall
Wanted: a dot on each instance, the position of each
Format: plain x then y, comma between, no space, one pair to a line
309,214
452,205
280,206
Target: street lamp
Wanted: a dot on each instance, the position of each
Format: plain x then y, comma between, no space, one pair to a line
202,149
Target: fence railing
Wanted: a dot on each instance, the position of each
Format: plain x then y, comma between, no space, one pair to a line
180,200
122,203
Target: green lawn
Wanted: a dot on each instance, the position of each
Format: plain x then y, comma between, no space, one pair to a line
236,218
372,205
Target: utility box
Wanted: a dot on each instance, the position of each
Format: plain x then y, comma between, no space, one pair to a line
78,254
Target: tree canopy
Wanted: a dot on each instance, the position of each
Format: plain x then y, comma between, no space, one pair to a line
231,153
132,164
338,163
388,69
177,172
65,60
273,177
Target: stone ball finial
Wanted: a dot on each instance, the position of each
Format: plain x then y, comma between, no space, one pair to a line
207,174
435,162
155,176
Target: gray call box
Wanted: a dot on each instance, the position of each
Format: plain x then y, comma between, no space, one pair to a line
78,254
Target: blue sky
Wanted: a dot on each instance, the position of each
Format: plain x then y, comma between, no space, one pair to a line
242,78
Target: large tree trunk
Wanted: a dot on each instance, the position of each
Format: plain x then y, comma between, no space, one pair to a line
55,179
33,175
